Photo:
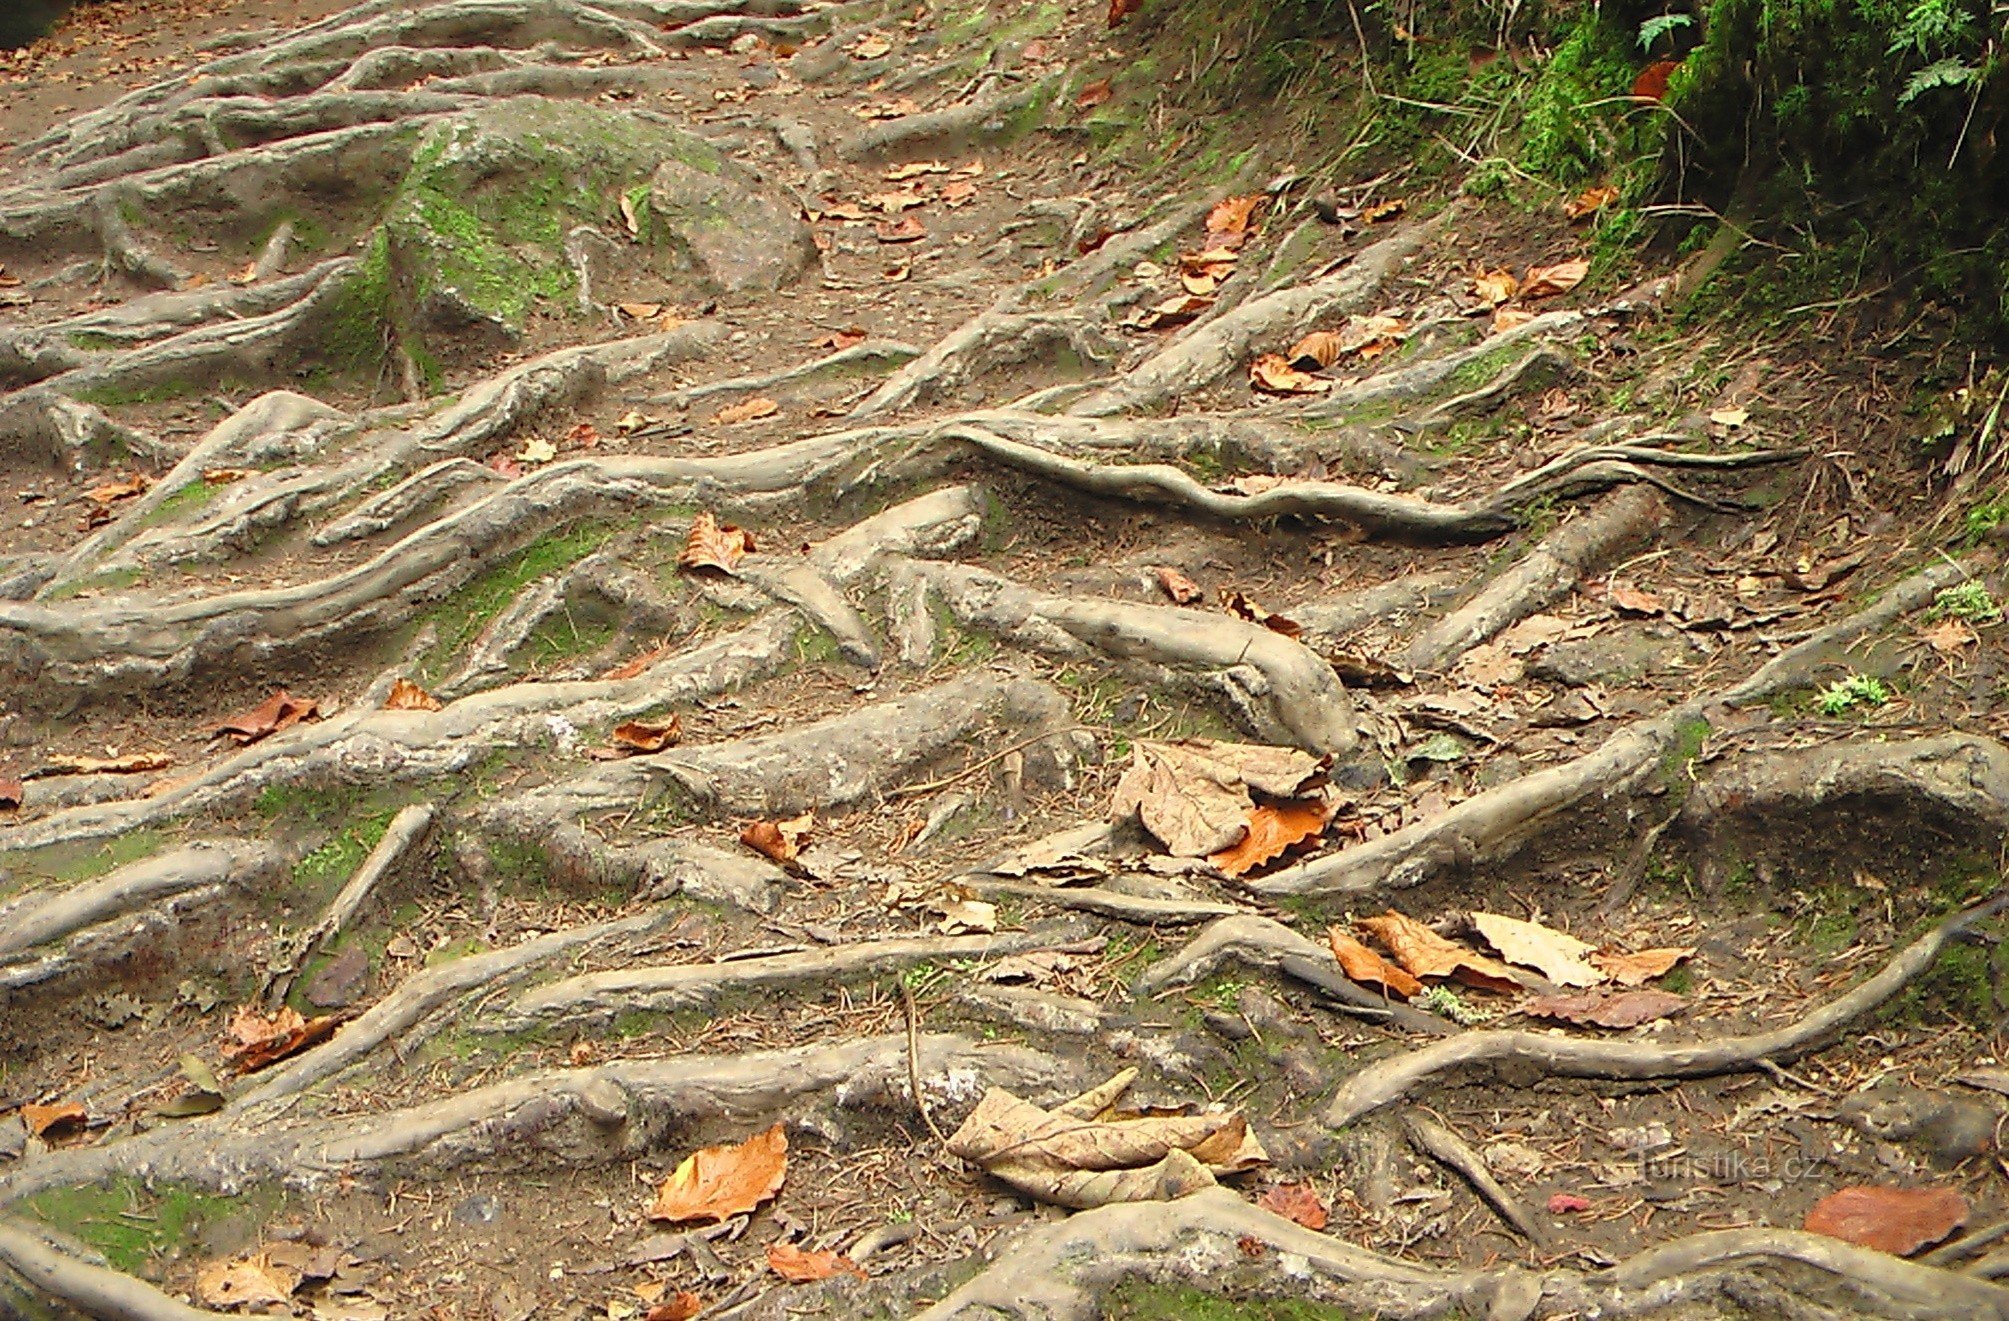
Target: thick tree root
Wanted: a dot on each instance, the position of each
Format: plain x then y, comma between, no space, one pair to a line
95,1291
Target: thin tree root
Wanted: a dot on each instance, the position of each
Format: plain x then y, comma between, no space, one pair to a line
406,832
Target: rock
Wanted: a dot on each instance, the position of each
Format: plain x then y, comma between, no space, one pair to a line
1516,1160
734,232
1618,656
1228,1026
1947,1129
480,1209
341,980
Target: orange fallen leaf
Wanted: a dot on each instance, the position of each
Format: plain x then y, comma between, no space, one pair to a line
839,340
1181,589
647,736
1094,94
680,1306
718,1183
632,668
1241,607
1174,311
1273,829
801,1267
1272,373
1631,600
1495,287
11,791
280,711
1365,966
1365,336
915,169
1511,318
1228,222
1426,954
1651,84
224,476
1319,349
256,1039
778,841
1298,1202
713,547
1641,967
57,1120
905,229
1589,202
1899,1221
408,696
122,489
957,192
640,311
585,435
1548,281
1122,9
1375,212
245,1282
746,410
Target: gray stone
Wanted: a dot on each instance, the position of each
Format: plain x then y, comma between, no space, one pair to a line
1618,656
480,1209
1945,1129
341,981
735,233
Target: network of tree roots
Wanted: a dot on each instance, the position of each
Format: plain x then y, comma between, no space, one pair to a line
432,329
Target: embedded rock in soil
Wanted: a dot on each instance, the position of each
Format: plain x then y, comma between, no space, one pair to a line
734,232
1622,656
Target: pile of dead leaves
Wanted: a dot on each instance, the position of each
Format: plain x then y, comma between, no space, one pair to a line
1507,297
716,1184
1237,805
1418,955
1362,339
1087,1152
1201,272
254,1039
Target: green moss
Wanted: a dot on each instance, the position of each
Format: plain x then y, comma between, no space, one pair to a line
1689,737
121,396
335,861
461,617
1140,1301
815,646
134,1225
466,947
74,862
183,501
297,803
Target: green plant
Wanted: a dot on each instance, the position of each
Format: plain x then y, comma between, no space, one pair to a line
1845,695
1969,601
1447,1003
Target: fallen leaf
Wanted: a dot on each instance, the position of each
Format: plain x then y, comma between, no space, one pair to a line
958,192
1365,966
1375,212
58,1120
893,204
1651,84
718,1183
123,489
11,791
1548,281
1122,9
1272,373
1174,311
1589,202
746,410
1193,795
1251,1247
1899,1221
801,1267
585,435
1273,828
1299,1202
1511,318
536,451
839,340
630,669
505,465
680,1306
133,763
871,47
630,216
1563,1203
778,841
408,696
1557,956
245,1282
1639,968
1094,94
1495,287
647,736
1241,607
640,311
915,169
280,711
1632,600
1367,337
1177,586
1229,219
255,1039
1426,954
225,476
1949,636
1730,417
967,917
906,229
713,547
1605,1009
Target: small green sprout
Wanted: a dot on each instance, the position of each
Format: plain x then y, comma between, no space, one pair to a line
1969,601
1447,1003
1845,695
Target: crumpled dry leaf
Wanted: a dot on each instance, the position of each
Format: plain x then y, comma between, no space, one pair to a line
1590,201
905,229
1730,417
1949,637
408,696
123,488
1634,600
1367,967
1076,1156
1298,1202
11,791
713,547
966,916
779,841
1376,212
1193,795
1092,94
746,410
1228,222
839,340
1424,953
1495,287
1122,9
1899,1221
1181,589
1511,318
1272,373
245,1282
52,1121
1557,956
679,1306
1642,966
1548,281
1241,607
1174,311
1606,1009
647,735
280,711
537,451
256,1039
718,1183
798,1266
225,476
1273,828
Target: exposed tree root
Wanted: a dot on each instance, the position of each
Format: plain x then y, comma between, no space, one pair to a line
407,831
95,1291
982,120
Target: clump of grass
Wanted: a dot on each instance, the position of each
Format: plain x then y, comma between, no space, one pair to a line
1447,1003
1846,695
1970,601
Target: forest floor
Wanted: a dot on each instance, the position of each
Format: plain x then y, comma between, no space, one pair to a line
1073,703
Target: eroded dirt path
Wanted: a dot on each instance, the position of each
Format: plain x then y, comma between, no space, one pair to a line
399,354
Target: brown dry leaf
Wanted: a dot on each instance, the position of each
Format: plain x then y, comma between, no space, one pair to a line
245,1282
225,476
746,410
1651,84
408,696
871,47
1495,287
1948,637
1548,281
1424,953
680,1306
11,791
915,169
1298,1202
778,841
257,1039
1177,586
1228,222
1511,318
839,340
1080,1155
1605,1009
1122,9
630,669
1375,212
1174,311
1094,94
1899,1221
713,547
718,1183
798,1266
1637,969
1632,600
906,229
640,311
1193,795
893,204
53,1120
1557,956
1214,263
958,192
1273,829
280,711
1367,337
133,763
122,489
1272,373
1590,201
1367,967
1241,607
647,735
630,216
1320,349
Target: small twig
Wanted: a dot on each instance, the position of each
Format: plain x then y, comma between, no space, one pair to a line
1441,1144
914,1063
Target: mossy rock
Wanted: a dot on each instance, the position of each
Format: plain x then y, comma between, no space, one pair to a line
731,231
